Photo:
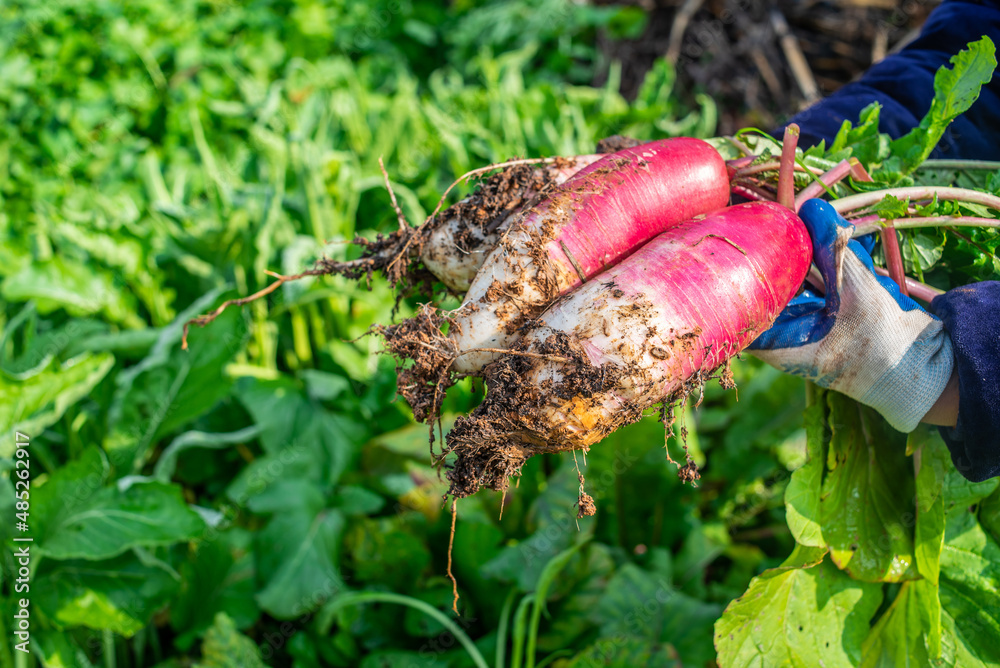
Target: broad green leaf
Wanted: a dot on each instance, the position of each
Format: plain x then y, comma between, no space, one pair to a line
909,631
33,404
626,652
171,387
166,465
382,550
42,347
646,607
797,616
226,647
989,514
554,530
217,578
891,207
81,290
119,594
922,250
866,143
291,421
932,458
803,509
955,90
868,495
969,591
393,658
56,650
76,517
576,596
297,561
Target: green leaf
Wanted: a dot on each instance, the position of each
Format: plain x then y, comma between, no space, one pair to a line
791,616
119,594
803,507
625,652
56,650
864,140
554,530
297,560
910,630
989,514
934,464
171,387
166,465
291,422
81,290
393,658
868,495
955,90
640,605
891,207
33,404
969,591
78,517
218,578
225,647
382,550
922,250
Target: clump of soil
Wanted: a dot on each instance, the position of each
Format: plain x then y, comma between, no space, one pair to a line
397,256
494,441
499,196
425,357
616,143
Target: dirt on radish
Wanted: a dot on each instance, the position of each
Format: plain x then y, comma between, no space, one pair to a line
651,329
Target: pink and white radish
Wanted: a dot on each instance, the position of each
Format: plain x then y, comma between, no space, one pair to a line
451,246
455,246
596,218
635,335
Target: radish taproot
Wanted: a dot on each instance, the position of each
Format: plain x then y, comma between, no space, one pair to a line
451,246
645,331
596,218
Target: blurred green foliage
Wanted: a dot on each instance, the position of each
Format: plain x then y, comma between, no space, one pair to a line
158,158
262,498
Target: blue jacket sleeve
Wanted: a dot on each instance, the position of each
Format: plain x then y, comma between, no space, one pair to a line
903,83
970,316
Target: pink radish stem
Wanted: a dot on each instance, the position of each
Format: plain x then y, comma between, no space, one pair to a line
893,257
786,182
862,200
858,171
775,166
836,174
929,221
751,192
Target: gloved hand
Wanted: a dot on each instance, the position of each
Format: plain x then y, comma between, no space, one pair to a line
864,339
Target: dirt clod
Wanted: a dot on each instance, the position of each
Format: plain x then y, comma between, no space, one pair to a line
424,357
616,143
493,442
585,506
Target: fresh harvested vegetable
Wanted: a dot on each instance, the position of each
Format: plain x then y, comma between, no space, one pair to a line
599,216
451,246
643,332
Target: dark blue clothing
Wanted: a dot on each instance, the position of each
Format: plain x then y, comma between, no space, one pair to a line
970,316
904,85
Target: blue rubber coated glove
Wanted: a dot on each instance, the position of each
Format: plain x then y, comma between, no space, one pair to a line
864,338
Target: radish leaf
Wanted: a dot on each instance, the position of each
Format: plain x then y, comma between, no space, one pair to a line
955,90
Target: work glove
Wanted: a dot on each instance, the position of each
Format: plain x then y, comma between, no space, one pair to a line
864,338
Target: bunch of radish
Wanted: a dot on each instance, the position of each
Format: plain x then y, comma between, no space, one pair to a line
598,287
